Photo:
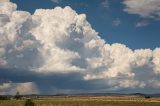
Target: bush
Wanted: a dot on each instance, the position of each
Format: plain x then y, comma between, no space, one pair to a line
147,97
29,102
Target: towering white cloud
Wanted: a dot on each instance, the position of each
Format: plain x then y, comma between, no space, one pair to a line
61,41
156,60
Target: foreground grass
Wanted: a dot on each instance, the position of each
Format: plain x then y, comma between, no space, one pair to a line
87,101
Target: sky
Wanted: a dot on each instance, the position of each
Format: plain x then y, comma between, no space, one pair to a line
79,46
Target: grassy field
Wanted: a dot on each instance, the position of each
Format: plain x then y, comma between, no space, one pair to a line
87,101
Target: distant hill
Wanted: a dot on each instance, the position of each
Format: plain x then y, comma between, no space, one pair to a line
91,94
110,94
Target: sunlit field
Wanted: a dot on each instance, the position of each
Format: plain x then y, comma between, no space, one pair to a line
87,101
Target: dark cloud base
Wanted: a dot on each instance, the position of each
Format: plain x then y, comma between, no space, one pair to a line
69,83
52,82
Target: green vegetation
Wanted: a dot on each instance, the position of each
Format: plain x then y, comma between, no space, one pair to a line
29,102
87,101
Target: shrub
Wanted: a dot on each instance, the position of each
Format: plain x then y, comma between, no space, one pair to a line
147,97
29,102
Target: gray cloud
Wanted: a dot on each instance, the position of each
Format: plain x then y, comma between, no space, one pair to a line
51,83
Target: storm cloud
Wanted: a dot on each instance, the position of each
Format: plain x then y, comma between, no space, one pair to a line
57,50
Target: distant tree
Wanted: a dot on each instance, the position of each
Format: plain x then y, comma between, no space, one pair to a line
147,97
29,102
4,98
17,96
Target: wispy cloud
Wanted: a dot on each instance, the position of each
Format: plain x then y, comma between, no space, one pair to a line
116,22
105,4
56,1
143,8
142,23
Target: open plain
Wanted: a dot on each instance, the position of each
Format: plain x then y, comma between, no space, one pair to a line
87,101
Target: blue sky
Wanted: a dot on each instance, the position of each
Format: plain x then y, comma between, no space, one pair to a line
102,16
79,46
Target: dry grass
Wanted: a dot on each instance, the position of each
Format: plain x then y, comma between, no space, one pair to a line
88,101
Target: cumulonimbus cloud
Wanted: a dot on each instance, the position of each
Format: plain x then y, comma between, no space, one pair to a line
61,41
